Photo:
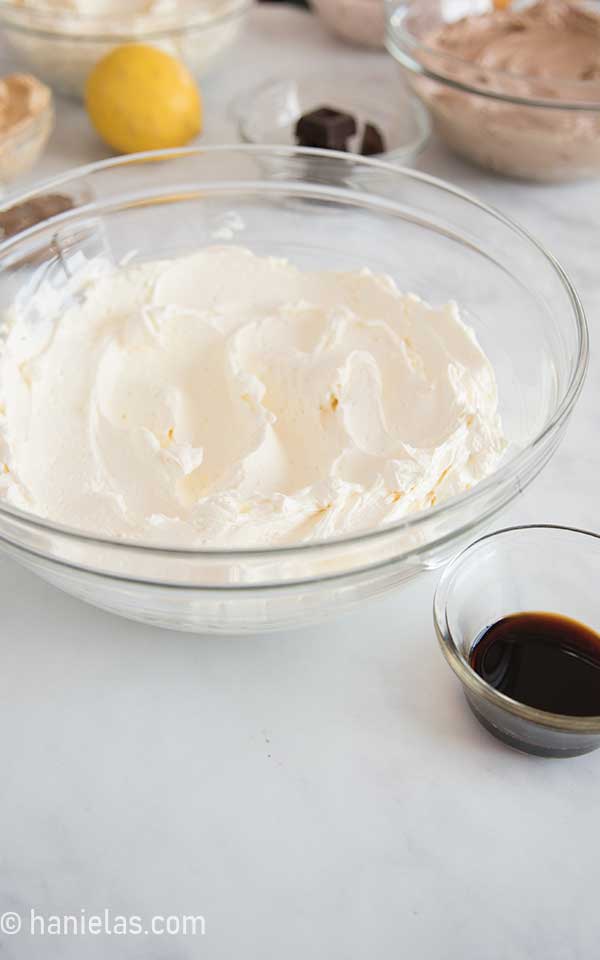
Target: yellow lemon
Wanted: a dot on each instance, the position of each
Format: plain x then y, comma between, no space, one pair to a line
140,98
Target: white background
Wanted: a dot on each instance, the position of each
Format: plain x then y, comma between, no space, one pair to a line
320,794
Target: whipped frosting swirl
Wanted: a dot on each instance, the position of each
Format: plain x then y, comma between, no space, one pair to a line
229,400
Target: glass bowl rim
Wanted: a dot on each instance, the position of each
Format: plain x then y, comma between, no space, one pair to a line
460,665
403,45
167,24
451,506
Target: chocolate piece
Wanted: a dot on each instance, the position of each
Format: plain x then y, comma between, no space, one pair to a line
372,141
326,128
27,214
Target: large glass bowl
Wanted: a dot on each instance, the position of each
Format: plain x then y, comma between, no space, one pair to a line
512,124
61,45
320,210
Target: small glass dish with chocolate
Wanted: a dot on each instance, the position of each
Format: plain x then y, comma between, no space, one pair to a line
518,619
358,112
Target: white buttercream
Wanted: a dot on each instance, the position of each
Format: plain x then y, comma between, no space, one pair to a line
225,399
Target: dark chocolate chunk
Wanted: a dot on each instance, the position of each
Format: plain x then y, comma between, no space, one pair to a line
27,214
372,141
326,128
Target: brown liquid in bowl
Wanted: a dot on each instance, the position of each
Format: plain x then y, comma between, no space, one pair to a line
543,660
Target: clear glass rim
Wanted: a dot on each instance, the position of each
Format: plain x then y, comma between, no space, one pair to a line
168,24
454,505
406,48
460,665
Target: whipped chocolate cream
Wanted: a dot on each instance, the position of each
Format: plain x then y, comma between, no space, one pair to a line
225,399
548,51
552,39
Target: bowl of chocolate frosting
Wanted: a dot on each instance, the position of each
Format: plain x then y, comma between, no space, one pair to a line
514,87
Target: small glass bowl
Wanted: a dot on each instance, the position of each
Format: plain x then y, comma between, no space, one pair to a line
268,114
511,124
543,568
21,148
62,45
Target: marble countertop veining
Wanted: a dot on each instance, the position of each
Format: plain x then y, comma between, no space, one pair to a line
319,794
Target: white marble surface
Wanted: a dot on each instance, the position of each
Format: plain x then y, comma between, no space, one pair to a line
320,794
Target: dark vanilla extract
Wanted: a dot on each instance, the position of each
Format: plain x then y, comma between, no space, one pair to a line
543,660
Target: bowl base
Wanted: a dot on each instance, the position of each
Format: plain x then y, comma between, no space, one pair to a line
527,746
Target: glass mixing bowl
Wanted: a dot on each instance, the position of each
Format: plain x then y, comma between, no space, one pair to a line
512,124
61,45
321,210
